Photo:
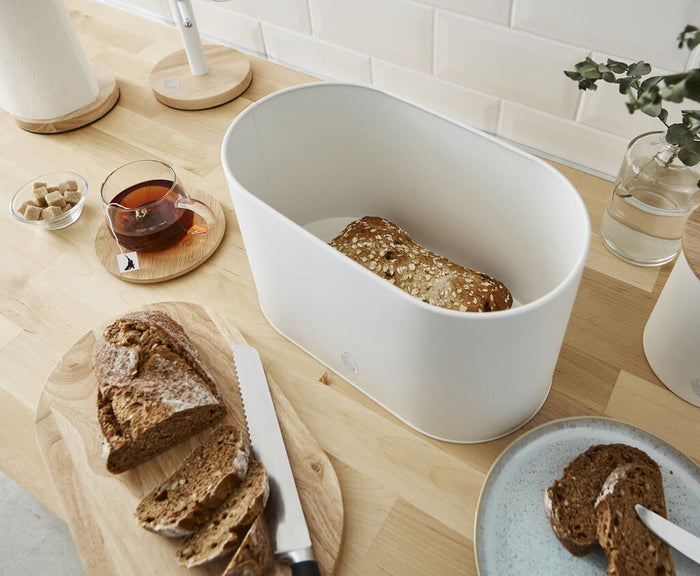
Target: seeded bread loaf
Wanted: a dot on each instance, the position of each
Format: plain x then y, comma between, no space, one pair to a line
570,501
153,389
389,252
632,549
254,557
186,500
229,524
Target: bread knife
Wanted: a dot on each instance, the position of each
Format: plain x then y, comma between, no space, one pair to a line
290,534
686,543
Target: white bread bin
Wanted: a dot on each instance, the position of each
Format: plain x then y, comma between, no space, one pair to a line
303,162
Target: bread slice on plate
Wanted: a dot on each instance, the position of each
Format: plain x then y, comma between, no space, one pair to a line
632,549
153,388
186,500
254,557
229,524
570,501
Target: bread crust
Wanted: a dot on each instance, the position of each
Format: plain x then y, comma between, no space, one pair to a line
153,388
254,557
387,250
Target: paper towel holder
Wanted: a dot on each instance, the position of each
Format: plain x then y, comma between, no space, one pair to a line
198,77
106,99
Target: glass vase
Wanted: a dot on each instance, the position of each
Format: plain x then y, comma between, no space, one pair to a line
653,195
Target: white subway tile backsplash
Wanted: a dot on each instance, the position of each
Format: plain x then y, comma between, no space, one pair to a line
230,27
460,104
561,138
493,10
506,63
292,14
605,109
309,53
393,30
635,29
495,64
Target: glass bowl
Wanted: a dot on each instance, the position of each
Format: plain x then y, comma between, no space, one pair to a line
68,184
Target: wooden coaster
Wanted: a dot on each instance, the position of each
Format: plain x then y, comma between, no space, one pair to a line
174,84
185,256
106,99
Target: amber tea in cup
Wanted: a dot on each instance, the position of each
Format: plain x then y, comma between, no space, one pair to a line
148,210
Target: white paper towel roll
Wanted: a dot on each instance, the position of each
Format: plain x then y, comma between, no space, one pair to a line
43,70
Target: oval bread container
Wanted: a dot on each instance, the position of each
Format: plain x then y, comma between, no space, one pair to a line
303,162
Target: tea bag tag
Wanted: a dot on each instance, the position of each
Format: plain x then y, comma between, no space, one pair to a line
127,262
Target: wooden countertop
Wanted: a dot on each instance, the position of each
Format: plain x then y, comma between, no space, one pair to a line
400,489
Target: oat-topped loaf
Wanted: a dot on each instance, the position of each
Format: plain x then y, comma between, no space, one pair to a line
570,502
389,252
153,389
187,499
231,521
632,549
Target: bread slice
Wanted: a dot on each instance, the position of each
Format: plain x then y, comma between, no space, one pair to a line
153,389
632,549
186,500
570,501
229,524
254,557
388,251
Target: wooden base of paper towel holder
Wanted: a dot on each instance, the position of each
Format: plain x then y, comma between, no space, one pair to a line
106,99
174,84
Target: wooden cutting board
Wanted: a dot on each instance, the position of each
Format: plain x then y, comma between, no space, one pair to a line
99,507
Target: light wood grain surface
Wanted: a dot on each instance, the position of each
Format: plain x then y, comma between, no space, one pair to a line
108,538
409,501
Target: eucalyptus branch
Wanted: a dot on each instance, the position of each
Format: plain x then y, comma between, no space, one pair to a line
649,93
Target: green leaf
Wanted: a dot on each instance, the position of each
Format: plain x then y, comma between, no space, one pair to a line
617,67
664,115
609,77
692,85
679,135
625,84
652,109
573,75
639,69
689,153
651,81
674,93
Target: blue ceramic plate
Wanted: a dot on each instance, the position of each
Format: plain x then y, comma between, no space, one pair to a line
512,534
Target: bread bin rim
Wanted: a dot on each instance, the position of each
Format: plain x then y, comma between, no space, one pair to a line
572,276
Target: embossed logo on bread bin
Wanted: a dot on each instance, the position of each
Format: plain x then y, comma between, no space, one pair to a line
350,362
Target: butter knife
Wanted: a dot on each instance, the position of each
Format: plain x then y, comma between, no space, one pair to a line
686,543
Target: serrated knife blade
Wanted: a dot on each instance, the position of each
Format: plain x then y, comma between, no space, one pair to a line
686,543
289,531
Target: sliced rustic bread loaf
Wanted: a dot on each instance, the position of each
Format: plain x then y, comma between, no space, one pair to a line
254,556
153,389
186,500
225,531
570,501
388,251
632,549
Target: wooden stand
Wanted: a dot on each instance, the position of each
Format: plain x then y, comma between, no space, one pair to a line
106,99
174,84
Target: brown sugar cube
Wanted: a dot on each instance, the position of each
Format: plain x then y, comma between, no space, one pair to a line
71,184
68,206
32,213
72,196
55,199
63,186
52,188
51,212
39,184
24,205
40,195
